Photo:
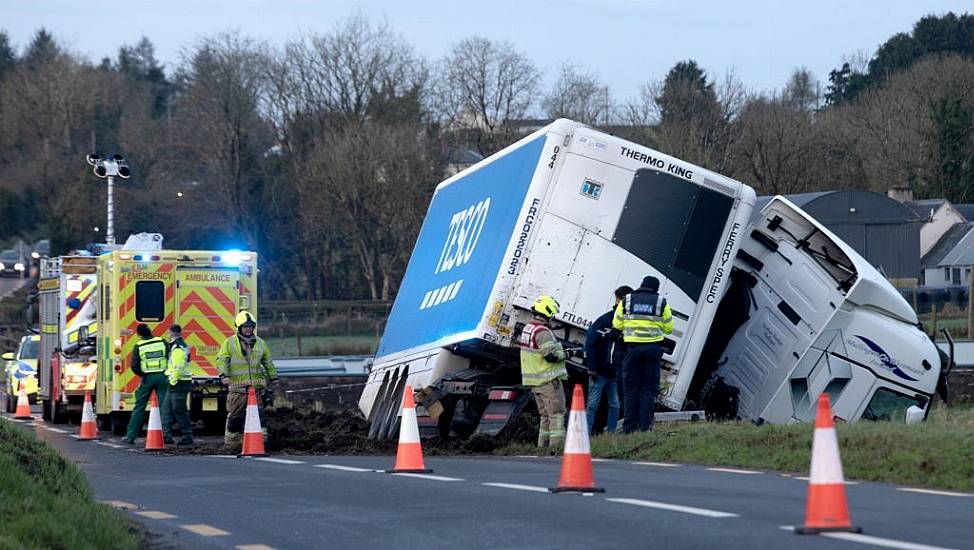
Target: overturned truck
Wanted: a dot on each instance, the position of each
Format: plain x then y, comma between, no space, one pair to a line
770,308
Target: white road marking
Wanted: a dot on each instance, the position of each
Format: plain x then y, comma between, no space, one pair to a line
934,492
343,468
428,476
154,514
674,507
601,460
57,430
205,530
875,541
255,547
733,471
279,460
221,456
107,444
518,487
660,464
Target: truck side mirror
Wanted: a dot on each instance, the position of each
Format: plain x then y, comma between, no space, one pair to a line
83,333
914,415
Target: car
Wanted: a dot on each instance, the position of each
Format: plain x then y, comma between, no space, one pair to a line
21,369
12,264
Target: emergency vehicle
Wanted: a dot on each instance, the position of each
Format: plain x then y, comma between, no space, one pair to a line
201,291
22,370
66,362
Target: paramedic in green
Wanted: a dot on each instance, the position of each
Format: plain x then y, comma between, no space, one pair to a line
149,360
244,360
180,377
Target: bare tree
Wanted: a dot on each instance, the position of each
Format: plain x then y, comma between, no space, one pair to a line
578,95
484,85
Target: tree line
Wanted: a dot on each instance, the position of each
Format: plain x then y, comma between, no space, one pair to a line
323,154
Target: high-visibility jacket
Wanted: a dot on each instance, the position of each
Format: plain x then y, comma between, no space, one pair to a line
542,357
644,317
152,355
178,368
254,369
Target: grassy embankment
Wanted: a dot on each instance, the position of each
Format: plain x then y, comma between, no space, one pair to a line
321,345
45,501
938,453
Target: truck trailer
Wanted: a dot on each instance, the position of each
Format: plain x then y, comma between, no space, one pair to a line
770,308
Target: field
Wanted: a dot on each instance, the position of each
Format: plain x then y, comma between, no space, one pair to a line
321,345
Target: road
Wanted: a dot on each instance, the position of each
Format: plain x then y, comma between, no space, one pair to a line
9,284
288,502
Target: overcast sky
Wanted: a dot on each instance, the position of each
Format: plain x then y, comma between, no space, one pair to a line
625,42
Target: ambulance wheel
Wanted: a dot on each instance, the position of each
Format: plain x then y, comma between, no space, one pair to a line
120,423
103,422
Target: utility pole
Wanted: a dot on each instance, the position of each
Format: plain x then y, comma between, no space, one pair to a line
108,168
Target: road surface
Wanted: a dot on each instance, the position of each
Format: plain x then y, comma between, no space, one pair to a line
9,284
486,502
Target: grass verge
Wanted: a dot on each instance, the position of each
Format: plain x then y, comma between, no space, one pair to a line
938,453
45,501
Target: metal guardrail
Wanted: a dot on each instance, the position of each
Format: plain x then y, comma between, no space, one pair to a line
333,365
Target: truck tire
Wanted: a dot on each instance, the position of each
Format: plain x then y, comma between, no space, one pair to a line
57,414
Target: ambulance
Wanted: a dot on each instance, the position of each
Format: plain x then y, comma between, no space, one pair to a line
201,291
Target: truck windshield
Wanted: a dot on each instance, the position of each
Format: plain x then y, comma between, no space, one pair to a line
28,350
887,404
673,225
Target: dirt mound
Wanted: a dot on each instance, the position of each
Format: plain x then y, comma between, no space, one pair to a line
332,432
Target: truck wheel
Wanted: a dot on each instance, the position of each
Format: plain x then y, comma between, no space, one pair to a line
58,414
103,422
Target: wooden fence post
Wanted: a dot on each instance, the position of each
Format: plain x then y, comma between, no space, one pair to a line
933,320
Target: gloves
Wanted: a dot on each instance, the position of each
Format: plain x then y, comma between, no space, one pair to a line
551,357
225,380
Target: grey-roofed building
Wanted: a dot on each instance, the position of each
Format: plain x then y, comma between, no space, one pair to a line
938,216
885,231
966,210
934,272
459,159
959,259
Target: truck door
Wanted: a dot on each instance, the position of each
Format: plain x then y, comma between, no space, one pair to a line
207,299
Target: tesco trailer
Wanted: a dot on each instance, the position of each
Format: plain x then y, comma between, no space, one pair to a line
770,308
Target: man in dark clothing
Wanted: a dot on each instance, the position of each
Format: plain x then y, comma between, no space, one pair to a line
604,352
644,318
149,360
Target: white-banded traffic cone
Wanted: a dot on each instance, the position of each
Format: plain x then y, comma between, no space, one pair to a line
153,437
576,465
409,455
827,509
253,437
23,405
89,431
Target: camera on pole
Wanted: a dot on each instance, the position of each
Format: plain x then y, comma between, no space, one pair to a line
108,168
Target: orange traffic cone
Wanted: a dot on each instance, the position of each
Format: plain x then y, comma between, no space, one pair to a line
409,456
23,405
153,437
253,438
576,466
88,429
827,509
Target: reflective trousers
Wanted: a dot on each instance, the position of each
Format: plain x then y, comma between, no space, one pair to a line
550,398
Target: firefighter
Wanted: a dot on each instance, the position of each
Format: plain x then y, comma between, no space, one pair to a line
244,360
149,360
180,378
644,318
543,369
604,353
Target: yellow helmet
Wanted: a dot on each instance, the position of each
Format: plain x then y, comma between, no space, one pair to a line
243,318
546,306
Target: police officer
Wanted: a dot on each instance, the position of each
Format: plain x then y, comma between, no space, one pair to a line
543,369
604,353
644,318
244,360
180,377
149,360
